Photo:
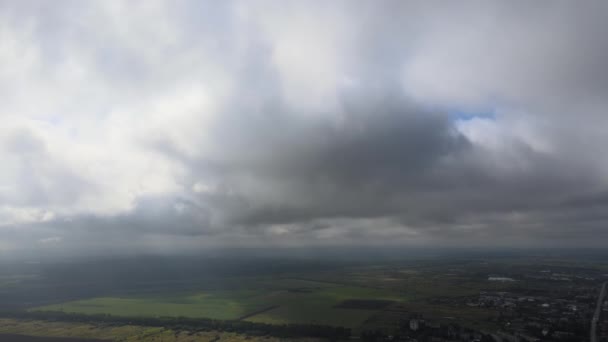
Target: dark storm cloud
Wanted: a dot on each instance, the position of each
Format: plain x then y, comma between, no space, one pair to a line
384,157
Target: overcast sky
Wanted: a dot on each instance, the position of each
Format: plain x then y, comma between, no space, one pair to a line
181,125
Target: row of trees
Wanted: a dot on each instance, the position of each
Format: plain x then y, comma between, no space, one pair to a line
193,324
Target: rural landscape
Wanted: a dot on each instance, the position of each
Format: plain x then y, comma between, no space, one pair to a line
303,171
455,296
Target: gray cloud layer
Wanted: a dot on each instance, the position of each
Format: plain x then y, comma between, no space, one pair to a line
162,126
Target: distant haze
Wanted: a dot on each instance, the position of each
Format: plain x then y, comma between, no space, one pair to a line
179,126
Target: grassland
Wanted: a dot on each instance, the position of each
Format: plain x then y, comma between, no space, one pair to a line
215,305
314,297
435,289
274,301
317,296
130,333
319,306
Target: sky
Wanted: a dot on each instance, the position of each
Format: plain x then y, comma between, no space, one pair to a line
170,126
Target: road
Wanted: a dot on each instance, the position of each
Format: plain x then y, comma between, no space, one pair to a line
598,311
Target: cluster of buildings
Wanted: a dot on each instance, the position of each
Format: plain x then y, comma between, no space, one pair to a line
527,305
418,329
560,310
534,318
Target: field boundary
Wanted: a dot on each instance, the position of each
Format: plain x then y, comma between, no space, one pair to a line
257,312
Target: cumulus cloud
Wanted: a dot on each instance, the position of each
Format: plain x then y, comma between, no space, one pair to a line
153,125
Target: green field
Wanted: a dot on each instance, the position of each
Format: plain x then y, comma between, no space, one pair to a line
267,301
319,306
216,305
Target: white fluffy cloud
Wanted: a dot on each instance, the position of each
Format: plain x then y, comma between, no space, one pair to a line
200,123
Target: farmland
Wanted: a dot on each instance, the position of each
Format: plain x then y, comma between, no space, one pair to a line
222,305
356,296
266,301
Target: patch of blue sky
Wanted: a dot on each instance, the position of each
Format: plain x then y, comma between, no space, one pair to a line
465,115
